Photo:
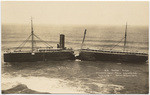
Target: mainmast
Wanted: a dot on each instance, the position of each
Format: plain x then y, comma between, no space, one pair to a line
83,39
32,34
125,38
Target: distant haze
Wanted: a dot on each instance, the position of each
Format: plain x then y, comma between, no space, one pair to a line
76,12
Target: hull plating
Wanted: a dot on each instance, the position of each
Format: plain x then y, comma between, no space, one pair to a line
99,56
41,56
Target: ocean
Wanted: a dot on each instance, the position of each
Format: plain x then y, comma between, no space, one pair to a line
94,77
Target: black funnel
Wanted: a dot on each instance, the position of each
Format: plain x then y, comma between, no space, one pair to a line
62,41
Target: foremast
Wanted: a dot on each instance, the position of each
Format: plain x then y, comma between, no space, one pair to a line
83,39
32,35
125,38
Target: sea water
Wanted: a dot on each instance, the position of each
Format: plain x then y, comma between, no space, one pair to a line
77,76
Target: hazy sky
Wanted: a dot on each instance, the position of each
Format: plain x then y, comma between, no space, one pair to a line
76,12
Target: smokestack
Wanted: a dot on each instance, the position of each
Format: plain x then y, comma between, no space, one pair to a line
62,41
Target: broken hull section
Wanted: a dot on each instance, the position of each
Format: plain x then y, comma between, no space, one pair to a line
99,56
39,56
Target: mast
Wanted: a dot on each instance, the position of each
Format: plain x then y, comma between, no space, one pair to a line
32,43
83,39
125,38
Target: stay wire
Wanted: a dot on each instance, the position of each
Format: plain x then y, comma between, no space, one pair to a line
42,40
117,44
23,43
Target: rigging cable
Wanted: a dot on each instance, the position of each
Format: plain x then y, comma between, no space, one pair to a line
117,43
24,42
42,41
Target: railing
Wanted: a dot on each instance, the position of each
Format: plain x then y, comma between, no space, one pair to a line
42,50
121,52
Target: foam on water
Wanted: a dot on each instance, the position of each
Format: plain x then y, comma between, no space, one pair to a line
41,84
55,85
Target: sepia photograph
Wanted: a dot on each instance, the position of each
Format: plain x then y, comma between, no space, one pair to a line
74,47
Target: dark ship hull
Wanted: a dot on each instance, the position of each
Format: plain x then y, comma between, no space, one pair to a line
119,56
39,56
95,55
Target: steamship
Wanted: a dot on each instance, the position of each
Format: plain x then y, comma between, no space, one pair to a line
41,54
110,55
